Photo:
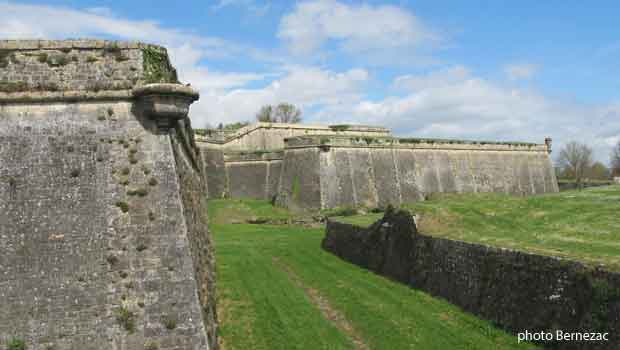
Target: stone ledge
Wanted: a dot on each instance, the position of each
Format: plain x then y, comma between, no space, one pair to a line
71,44
408,143
166,89
64,96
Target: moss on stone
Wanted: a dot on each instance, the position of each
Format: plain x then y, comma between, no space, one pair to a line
16,344
342,127
170,322
296,188
13,86
58,60
124,207
4,58
141,192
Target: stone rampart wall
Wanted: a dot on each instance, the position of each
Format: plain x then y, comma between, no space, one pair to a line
61,67
102,223
355,171
517,291
270,136
242,174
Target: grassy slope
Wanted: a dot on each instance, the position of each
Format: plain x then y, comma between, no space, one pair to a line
581,225
260,307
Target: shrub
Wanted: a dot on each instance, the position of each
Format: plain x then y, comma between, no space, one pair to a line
42,57
151,345
126,319
16,344
153,181
170,322
123,206
138,192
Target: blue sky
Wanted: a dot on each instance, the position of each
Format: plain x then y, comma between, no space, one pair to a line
519,70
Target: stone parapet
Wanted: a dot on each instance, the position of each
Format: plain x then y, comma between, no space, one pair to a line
418,143
34,66
253,156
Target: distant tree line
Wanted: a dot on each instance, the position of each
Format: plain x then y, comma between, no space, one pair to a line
576,162
281,113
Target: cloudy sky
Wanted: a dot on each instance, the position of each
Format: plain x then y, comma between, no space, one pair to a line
519,70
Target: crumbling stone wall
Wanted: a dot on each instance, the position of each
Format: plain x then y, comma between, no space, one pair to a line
102,226
361,171
517,291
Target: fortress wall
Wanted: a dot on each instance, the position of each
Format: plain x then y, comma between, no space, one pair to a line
353,174
102,227
270,136
215,172
515,290
300,179
242,174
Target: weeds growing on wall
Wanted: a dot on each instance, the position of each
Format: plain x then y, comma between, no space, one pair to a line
16,344
157,67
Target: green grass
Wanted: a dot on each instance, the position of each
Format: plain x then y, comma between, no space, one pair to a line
227,211
262,306
577,225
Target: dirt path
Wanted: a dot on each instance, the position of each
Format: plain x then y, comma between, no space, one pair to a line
331,314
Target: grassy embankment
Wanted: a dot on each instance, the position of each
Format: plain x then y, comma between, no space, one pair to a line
577,225
277,289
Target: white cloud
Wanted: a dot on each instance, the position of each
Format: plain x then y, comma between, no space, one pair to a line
256,8
521,71
356,28
306,87
442,77
186,49
451,103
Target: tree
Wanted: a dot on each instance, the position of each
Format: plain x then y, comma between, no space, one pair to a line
265,114
282,113
287,113
615,160
576,159
598,171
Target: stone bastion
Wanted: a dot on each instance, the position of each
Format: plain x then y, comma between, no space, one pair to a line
348,166
320,172
103,227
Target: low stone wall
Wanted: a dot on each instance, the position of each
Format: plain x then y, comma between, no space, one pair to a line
571,185
365,171
517,291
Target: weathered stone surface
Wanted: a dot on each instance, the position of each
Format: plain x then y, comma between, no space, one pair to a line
102,219
356,171
515,290
270,136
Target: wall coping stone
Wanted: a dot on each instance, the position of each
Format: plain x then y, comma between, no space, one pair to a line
327,141
64,96
34,44
260,125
